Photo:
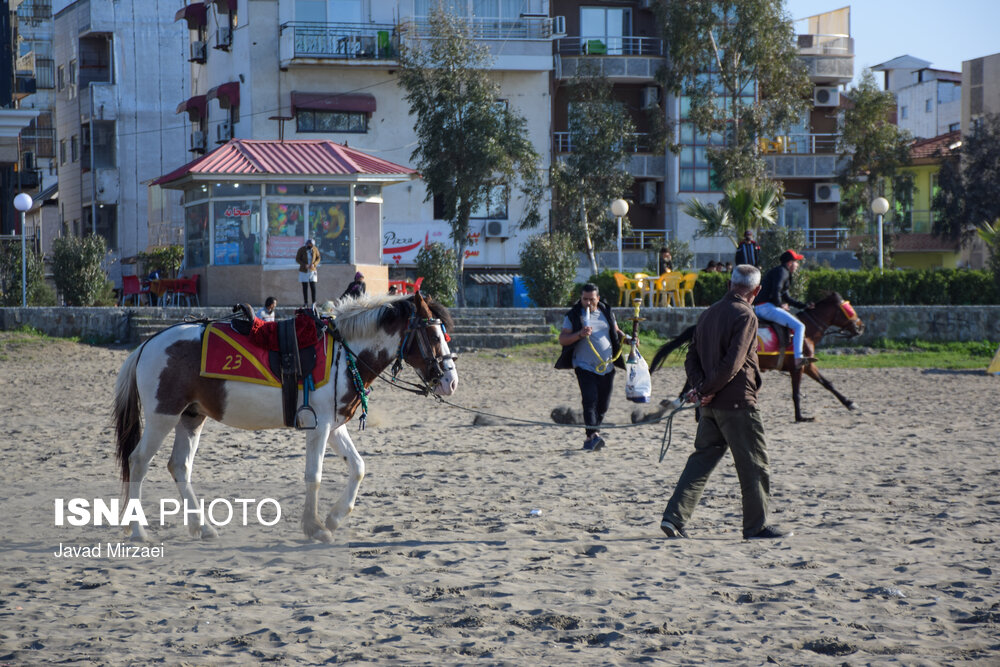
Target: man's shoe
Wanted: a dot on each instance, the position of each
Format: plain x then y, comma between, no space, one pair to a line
598,443
670,530
588,444
770,533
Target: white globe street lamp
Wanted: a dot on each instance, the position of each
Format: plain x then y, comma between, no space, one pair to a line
22,203
880,206
619,208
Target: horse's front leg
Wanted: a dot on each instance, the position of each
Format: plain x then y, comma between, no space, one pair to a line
356,472
157,427
315,450
796,374
814,373
186,436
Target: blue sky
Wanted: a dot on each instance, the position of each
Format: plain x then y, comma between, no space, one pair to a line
943,32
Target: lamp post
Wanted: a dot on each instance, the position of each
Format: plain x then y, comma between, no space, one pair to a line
880,206
619,208
22,203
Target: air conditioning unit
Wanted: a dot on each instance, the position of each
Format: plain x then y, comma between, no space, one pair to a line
647,193
827,193
223,37
497,229
197,141
223,133
197,52
824,96
558,25
650,97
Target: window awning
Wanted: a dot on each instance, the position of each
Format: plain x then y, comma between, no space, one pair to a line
333,102
224,6
493,278
195,107
228,95
196,15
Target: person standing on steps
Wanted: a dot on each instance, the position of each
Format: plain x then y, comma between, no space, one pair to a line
722,368
591,343
308,259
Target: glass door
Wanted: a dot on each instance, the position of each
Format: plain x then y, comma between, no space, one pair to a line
604,29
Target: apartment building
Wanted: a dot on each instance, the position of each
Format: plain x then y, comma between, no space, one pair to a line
115,63
981,95
318,69
928,100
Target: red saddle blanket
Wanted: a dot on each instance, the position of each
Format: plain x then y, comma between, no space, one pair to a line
767,340
229,355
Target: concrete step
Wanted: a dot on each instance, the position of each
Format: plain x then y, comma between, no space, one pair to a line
502,329
460,342
498,320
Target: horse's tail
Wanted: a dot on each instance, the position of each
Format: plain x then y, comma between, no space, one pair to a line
661,355
128,426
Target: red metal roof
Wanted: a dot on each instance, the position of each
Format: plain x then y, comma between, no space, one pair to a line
195,14
293,157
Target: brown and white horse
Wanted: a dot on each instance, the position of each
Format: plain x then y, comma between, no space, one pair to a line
161,379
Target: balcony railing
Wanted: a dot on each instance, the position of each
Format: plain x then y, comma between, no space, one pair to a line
525,27
363,41
799,144
609,46
34,11
917,222
638,142
828,237
39,140
825,45
644,239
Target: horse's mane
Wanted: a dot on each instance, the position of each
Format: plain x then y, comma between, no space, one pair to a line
362,316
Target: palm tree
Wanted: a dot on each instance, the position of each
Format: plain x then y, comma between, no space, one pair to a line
744,206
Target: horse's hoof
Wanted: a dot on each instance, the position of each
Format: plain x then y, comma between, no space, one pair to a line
322,535
850,405
139,538
209,533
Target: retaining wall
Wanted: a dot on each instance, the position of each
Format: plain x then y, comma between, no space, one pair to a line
930,323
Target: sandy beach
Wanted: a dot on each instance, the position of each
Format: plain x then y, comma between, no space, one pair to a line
507,544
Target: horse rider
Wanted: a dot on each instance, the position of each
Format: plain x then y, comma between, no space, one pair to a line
772,302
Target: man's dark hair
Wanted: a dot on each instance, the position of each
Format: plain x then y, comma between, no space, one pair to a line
664,249
590,287
270,300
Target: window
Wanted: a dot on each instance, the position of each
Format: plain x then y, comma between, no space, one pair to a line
60,78
307,120
927,105
237,232
74,148
954,127
328,11
62,151
695,172
602,29
107,223
495,207
72,78
196,235
904,112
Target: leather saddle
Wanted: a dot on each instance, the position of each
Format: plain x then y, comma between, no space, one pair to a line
782,337
293,359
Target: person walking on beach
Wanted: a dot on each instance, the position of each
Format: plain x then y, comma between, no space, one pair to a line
722,368
591,339
308,259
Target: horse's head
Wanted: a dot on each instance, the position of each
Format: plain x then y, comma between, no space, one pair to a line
425,344
839,313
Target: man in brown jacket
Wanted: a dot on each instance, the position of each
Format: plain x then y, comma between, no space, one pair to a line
722,368
308,258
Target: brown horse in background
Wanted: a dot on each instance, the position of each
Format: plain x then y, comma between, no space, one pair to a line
831,311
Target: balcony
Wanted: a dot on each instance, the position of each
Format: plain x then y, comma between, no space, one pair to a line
620,59
642,163
828,58
801,155
98,100
830,238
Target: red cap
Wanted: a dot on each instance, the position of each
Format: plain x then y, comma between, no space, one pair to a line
793,255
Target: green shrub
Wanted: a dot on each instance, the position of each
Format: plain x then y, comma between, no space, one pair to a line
165,259
76,267
777,240
548,264
39,294
436,264
606,286
907,287
709,288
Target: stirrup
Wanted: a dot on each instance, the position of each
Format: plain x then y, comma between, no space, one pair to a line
305,419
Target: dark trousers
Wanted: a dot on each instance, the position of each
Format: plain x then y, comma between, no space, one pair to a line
596,392
306,287
742,432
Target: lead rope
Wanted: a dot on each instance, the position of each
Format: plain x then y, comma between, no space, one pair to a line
603,365
359,386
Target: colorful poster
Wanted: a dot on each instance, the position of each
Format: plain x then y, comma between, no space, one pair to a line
285,230
329,227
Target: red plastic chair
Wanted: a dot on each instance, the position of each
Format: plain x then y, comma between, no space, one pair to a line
416,283
187,289
132,288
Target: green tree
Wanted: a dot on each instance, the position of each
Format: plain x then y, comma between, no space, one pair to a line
737,62
873,149
77,269
990,234
468,145
548,264
777,240
595,172
745,205
436,264
38,293
966,196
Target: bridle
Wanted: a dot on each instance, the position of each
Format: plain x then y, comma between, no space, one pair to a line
419,329
854,325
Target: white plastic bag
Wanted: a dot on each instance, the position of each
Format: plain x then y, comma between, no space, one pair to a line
638,386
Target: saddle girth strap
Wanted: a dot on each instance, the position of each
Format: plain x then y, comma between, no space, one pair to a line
291,370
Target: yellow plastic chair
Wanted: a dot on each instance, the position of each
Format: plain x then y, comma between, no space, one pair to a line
687,287
644,285
668,291
626,288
